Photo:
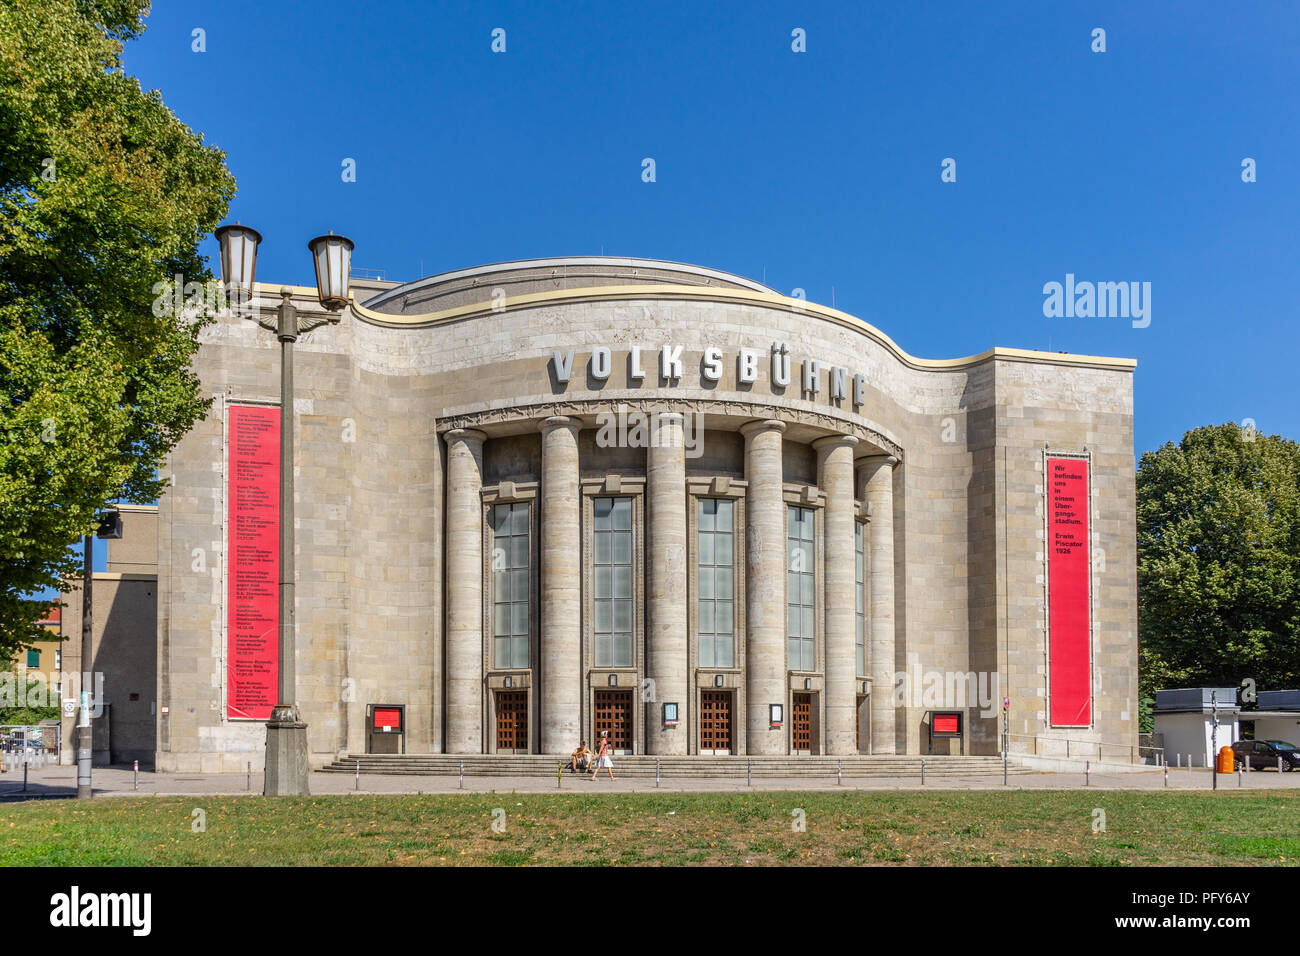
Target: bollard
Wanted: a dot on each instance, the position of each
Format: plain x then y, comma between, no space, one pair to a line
656,771
749,768
923,771
839,773
1087,772
358,785
135,776
248,780
1238,775
1166,775
462,775
1279,764
25,773
559,773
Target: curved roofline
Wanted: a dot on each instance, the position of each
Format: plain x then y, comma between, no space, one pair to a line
408,287
766,299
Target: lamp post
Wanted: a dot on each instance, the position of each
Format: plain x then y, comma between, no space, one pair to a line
286,732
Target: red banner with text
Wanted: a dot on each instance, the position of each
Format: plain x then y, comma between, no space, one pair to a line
253,568
1069,612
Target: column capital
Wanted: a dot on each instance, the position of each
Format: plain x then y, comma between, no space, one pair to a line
878,460
762,425
559,421
835,441
468,435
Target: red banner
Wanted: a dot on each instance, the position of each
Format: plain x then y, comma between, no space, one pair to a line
1069,613
253,568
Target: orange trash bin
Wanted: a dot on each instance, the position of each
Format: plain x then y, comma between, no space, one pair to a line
1224,764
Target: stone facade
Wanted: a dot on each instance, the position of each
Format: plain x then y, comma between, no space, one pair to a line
434,404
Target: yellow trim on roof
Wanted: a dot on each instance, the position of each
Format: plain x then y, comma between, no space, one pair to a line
665,291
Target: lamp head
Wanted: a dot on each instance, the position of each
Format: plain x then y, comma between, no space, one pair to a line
333,258
238,257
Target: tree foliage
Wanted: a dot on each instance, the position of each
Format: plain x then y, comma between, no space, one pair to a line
103,194
1218,521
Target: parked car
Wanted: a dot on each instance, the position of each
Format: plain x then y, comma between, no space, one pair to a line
1263,754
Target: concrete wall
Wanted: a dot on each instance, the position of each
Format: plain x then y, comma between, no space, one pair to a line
124,624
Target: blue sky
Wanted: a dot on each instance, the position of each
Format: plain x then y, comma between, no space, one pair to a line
818,170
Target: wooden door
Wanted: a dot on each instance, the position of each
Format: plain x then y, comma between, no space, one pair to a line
715,720
613,713
512,721
801,725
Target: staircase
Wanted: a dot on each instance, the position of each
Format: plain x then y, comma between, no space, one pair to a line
680,768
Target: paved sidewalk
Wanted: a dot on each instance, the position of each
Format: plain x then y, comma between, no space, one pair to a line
118,782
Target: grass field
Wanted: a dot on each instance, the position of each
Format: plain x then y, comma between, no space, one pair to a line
977,828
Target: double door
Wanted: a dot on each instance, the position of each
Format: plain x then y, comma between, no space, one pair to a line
512,721
613,714
715,722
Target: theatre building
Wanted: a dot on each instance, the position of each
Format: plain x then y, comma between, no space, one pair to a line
544,499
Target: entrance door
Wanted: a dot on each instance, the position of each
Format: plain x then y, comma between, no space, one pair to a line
715,722
613,713
512,721
801,726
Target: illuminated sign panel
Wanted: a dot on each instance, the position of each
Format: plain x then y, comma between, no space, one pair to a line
941,724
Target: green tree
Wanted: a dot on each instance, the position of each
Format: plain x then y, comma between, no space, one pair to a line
1218,523
103,194
34,709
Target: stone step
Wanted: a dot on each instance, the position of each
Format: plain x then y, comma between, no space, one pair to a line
539,765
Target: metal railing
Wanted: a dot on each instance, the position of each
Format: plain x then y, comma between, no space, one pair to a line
32,745
1042,745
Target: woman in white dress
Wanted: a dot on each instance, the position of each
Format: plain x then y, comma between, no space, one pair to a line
602,757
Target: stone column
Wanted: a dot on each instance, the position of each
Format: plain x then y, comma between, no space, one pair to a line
835,471
666,631
765,657
560,667
877,481
464,564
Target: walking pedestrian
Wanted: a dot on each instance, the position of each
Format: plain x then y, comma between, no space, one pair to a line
602,757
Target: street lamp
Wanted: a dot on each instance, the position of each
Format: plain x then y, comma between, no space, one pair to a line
286,733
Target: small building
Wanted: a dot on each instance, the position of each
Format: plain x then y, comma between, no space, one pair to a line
1186,719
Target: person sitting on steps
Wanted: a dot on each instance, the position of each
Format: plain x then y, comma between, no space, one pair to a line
580,759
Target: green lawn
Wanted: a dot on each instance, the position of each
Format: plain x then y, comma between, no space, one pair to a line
979,828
